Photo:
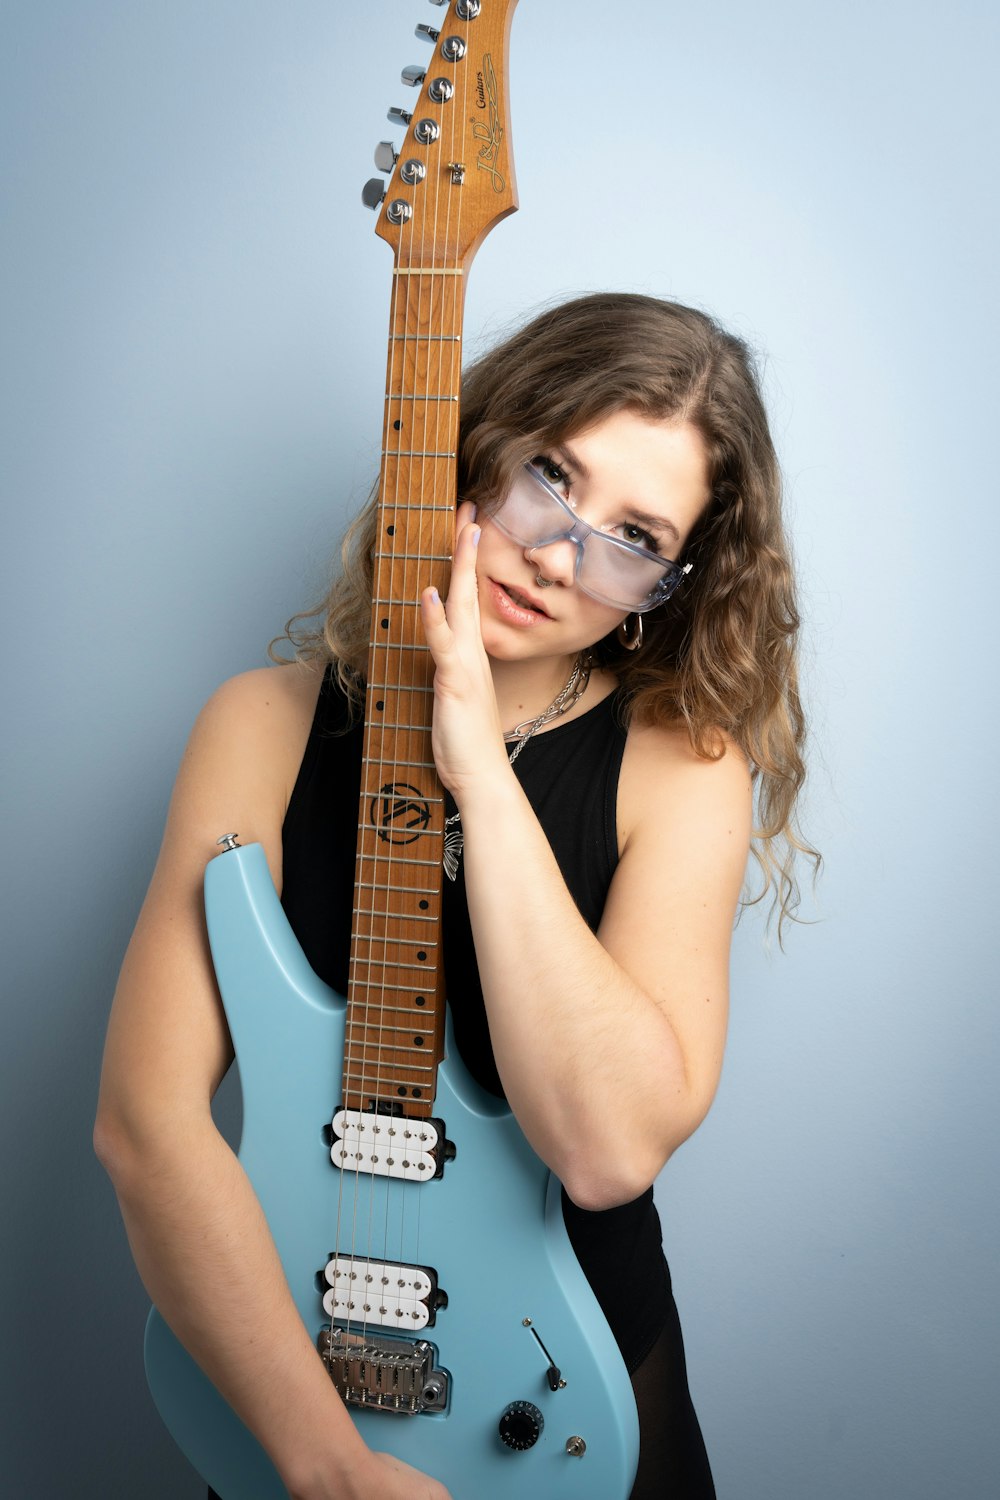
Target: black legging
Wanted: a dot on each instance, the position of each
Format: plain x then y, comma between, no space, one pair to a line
673,1464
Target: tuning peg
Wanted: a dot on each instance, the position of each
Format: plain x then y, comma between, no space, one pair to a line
413,76
399,117
439,2
386,156
426,34
373,192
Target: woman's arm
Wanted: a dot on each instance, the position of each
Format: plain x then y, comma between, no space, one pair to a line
198,1235
609,1047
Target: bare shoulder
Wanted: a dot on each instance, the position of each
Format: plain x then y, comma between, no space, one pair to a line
665,781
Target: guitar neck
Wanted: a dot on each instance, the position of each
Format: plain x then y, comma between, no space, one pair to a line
395,997
454,182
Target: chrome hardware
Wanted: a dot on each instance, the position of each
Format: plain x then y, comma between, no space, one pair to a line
457,170
439,2
413,76
576,1447
386,156
413,171
453,49
426,131
441,90
399,116
399,211
373,192
466,10
392,1374
229,841
426,34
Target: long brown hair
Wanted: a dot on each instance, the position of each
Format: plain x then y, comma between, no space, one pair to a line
720,657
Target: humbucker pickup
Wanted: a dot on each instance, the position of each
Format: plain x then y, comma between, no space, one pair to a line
389,1145
381,1293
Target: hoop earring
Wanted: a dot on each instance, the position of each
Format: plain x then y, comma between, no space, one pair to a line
630,642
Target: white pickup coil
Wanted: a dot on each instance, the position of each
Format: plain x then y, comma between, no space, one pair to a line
384,1145
368,1291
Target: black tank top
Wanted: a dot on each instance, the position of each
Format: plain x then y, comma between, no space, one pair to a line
570,777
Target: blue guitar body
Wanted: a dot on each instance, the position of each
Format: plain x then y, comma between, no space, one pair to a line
490,1227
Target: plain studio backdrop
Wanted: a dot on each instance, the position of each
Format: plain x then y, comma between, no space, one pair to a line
194,318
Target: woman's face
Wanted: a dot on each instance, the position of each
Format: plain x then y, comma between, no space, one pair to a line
644,481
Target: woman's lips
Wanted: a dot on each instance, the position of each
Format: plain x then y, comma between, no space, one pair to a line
515,605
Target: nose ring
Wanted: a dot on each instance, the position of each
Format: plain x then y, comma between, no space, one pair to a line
543,583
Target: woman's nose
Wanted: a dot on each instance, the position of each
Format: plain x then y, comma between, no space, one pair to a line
555,562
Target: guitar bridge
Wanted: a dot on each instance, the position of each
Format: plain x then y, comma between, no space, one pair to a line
389,1374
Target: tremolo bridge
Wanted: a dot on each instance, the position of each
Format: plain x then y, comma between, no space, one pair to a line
390,1374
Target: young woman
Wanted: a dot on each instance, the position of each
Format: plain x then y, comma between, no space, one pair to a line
617,723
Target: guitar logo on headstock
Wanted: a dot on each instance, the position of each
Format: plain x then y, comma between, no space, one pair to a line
399,813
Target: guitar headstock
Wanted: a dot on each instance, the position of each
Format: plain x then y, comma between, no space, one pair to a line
453,177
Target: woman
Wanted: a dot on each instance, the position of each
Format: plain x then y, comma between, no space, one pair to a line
652,690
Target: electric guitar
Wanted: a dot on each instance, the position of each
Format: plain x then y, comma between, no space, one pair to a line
422,1238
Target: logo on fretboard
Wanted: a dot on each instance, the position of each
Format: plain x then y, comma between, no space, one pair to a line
399,814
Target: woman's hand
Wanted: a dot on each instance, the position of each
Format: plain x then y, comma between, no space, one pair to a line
467,733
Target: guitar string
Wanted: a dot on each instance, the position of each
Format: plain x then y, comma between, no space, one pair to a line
449,290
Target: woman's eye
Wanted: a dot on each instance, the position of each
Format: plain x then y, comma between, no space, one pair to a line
638,536
551,472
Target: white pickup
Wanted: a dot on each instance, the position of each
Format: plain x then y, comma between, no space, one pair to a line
384,1145
374,1292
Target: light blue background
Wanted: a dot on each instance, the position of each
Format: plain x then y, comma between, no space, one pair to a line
194,313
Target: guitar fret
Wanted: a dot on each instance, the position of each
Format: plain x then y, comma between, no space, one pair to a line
444,507
415,453
404,1010
401,859
388,555
361,911
374,984
392,762
426,338
377,885
392,687
408,1030
396,965
406,396
427,271
391,1068
411,942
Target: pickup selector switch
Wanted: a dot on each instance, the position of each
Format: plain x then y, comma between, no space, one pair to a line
521,1425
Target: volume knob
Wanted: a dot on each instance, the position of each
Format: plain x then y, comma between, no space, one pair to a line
521,1425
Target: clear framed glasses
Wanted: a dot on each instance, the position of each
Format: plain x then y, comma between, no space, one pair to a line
609,569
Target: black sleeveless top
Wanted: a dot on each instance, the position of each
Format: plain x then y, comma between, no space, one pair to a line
570,776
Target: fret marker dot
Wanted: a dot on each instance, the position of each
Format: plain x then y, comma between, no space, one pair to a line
384,624
390,531
417,1093
397,424
401,1090
380,704
418,1041
420,1000
422,955
424,905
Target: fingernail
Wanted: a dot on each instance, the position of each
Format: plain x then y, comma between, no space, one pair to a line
435,596
476,534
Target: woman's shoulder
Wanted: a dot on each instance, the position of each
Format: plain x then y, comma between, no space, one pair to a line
667,783
253,730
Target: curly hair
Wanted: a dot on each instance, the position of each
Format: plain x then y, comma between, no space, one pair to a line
720,657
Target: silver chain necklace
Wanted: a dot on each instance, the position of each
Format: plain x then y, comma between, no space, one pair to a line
569,694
